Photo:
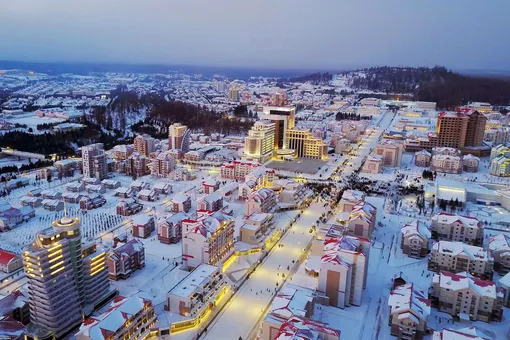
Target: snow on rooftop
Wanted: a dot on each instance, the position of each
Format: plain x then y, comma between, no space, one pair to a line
499,242
445,218
416,227
194,281
459,248
406,298
456,282
470,333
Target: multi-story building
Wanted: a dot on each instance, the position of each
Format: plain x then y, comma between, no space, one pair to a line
124,260
181,202
210,185
460,295
409,309
170,228
499,150
343,270
450,227
500,135
422,158
94,161
463,130
238,170
373,165
390,151
207,239
9,262
349,199
446,151
500,165
446,163
255,228
305,144
210,202
284,118
361,220
137,165
128,207
470,163
457,257
499,245
300,328
262,200
59,277
122,152
162,188
144,145
179,137
163,164
15,305
234,94
143,226
469,333
415,239
197,292
128,317
259,144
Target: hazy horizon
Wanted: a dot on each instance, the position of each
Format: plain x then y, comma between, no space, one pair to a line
292,35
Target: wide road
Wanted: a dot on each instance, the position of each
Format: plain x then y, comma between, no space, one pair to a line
367,144
242,314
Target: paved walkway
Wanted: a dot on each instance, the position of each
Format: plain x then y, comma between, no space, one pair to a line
245,310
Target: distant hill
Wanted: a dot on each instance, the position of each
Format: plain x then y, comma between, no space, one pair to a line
315,78
449,89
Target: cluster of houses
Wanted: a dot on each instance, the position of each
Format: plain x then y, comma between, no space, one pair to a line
447,160
463,270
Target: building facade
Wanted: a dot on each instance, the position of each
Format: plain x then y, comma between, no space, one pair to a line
179,137
94,161
450,227
409,309
124,260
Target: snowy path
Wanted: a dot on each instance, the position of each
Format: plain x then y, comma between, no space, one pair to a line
247,307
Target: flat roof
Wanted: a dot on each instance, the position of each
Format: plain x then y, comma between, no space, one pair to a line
197,278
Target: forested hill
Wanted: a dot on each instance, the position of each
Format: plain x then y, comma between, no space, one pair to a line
314,78
449,89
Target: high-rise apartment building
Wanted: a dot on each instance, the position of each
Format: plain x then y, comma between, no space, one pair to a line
65,282
462,130
179,137
234,94
259,143
163,164
94,161
284,118
144,144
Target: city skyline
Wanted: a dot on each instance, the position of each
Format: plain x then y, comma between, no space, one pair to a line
260,35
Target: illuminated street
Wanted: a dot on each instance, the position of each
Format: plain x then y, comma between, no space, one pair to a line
243,313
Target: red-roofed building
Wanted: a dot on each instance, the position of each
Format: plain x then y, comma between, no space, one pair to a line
409,309
361,221
124,260
298,328
9,262
450,227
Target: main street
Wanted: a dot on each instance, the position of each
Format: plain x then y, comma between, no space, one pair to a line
245,310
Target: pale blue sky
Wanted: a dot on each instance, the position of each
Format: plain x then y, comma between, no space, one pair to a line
322,34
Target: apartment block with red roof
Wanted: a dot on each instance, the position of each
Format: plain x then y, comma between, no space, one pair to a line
409,309
450,227
9,262
124,260
298,328
361,221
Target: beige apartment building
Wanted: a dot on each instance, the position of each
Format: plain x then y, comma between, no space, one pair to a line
415,239
457,257
343,270
163,164
361,220
179,137
349,199
144,145
373,164
94,161
422,158
409,309
390,151
466,297
259,144
256,228
450,227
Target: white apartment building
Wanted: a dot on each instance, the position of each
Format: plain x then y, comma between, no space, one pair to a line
259,144
94,161
198,292
343,270
450,227
263,200
457,257
499,245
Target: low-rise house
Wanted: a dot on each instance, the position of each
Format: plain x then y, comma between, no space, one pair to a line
147,195
139,185
128,317
211,202
53,205
128,207
197,292
31,201
262,200
349,199
36,192
181,202
162,188
51,195
415,239
256,228
110,184
210,185
95,189
450,227
143,226
92,201
124,260
499,245
27,212
9,262
90,180
457,257
466,297
19,182
124,192
409,309
72,197
170,228
361,221
75,187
